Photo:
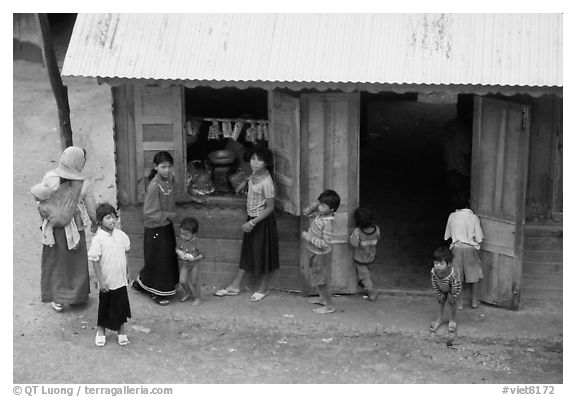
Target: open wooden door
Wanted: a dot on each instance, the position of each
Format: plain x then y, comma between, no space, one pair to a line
329,160
499,169
284,142
158,120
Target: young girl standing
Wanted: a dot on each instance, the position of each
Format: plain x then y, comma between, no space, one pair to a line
259,253
159,276
107,254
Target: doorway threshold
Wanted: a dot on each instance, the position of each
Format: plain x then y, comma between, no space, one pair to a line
406,292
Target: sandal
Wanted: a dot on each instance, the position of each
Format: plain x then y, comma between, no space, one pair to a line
452,326
258,296
434,325
226,292
123,340
57,306
323,310
161,301
100,340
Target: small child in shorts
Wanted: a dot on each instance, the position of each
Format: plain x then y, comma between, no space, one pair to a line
189,258
364,238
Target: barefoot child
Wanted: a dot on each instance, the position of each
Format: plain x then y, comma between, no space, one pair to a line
446,285
189,260
107,254
364,238
319,238
463,227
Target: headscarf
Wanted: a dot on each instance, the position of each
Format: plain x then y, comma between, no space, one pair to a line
71,163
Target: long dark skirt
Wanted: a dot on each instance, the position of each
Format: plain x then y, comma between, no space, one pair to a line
113,308
64,273
160,273
259,253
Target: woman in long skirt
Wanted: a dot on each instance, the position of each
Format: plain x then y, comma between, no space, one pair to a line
160,274
64,266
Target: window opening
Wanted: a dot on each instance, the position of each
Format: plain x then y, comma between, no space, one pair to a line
221,127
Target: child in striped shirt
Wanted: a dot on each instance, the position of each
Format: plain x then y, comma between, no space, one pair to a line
446,284
319,238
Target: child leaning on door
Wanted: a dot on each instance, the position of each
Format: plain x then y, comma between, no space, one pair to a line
319,238
364,238
463,227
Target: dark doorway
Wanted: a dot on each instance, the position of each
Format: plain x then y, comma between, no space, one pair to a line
402,177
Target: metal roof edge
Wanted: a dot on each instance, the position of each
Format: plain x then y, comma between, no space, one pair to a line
345,87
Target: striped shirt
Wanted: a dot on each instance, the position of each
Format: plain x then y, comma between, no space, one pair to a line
447,285
320,234
258,193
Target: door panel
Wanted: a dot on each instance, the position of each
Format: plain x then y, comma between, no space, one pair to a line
158,115
284,143
499,167
329,152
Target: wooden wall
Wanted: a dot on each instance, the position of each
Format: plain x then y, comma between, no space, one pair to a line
125,140
219,240
544,187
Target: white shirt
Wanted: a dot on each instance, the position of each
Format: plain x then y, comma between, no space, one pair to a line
110,250
463,226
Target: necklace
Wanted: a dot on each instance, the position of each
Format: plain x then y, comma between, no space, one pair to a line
167,190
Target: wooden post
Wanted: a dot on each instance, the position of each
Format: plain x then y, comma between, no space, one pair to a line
59,89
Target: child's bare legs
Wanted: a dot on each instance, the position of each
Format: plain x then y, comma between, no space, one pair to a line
440,312
264,282
184,283
372,294
235,284
474,291
460,299
326,297
194,285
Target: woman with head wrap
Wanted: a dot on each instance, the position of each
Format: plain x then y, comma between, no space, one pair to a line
64,266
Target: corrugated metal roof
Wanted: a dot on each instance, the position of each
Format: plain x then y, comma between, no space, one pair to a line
479,49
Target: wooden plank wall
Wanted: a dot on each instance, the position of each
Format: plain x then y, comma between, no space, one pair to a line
123,113
220,240
544,189
542,269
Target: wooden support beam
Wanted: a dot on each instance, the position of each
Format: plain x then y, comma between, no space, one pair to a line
59,89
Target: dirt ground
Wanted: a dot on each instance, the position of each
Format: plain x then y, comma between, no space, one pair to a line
222,341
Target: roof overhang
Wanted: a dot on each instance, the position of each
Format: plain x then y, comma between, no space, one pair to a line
480,53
